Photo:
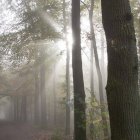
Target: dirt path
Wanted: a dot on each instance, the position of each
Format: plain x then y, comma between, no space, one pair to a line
16,131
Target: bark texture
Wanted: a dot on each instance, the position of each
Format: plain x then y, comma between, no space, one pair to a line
79,93
122,84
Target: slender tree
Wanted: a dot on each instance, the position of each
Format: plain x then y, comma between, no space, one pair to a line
54,94
42,90
23,108
15,108
36,97
100,81
67,72
91,52
79,93
122,84
103,60
92,136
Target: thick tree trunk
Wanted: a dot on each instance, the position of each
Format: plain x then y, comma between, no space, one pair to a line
67,73
79,93
100,81
122,85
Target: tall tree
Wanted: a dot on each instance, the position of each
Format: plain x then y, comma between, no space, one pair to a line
122,84
92,136
99,74
36,97
54,93
23,108
67,71
91,50
16,115
42,90
103,59
79,92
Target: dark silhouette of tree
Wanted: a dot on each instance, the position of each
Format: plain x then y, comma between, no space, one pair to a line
79,93
122,84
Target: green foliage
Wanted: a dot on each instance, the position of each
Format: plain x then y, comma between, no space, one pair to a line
57,135
94,120
18,46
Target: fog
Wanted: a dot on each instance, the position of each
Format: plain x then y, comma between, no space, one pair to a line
36,73
34,61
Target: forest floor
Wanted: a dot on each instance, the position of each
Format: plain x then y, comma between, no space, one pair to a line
21,131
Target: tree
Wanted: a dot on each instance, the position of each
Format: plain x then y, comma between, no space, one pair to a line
92,127
122,84
99,74
24,108
54,94
36,97
79,93
67,71
43,89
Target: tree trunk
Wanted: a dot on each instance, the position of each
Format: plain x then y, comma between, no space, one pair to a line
122,84
36,97
138,48
42,90
91,69
23,108
54,95
139,65
79,93
16,110
92,115
103,68
100,81
67,73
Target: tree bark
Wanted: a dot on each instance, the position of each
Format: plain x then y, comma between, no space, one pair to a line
122,84
79,93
